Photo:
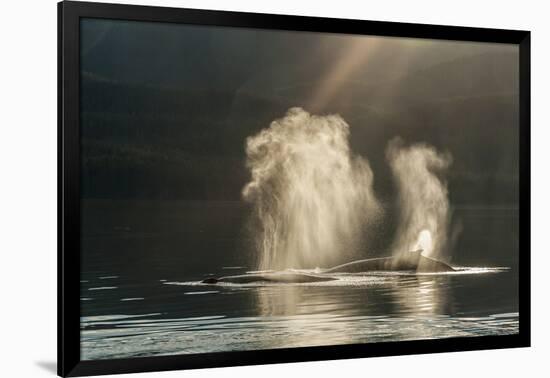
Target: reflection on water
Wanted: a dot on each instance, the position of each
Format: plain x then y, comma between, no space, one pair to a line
421,295
140,293
375,309
118,338
406,294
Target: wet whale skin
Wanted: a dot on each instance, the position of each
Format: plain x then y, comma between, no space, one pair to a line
410,261
270,278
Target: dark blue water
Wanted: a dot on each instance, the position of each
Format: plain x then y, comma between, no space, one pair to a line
140,292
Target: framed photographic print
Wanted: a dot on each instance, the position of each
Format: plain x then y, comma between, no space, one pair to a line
239,188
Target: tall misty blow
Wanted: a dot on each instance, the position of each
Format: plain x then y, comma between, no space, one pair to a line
423,197
312,197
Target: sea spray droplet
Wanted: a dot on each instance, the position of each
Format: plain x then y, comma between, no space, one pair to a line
424,242
312,197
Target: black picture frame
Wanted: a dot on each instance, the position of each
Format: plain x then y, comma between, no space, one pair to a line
69,14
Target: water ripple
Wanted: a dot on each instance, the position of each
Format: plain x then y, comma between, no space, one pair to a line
117,337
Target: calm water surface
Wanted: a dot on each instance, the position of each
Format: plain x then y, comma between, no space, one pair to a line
141,296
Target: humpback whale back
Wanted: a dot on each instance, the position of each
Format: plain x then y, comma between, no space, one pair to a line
410,261
270,278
